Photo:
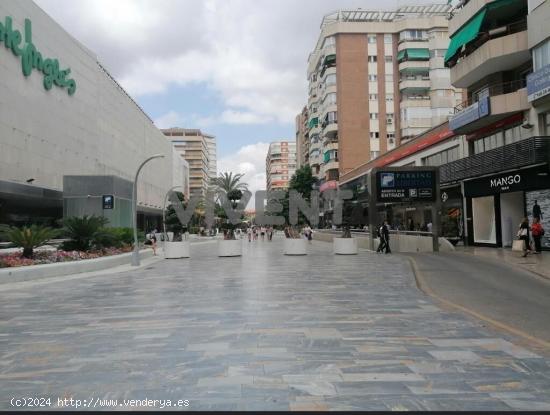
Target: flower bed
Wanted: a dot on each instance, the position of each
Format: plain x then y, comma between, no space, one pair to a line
51,257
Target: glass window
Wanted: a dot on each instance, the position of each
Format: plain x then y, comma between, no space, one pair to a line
330,79
329,41
388,58
373,97
372,58
371,38
389,77
372,77
373,115
374,134
389,97
387,38
374,154
541,55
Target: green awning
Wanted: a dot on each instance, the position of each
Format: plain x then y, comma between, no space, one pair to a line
400,54
329,59
326,157
418,54
313,122
465,35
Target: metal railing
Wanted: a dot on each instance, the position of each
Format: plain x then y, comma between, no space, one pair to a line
522,153
494,90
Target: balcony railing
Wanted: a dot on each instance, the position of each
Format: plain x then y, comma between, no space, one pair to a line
484,37
494,90
522,153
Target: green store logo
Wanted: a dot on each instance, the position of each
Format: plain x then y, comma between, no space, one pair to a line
33,59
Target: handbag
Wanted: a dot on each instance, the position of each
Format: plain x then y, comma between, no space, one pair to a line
518,245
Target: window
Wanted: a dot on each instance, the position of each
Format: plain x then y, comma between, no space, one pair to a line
442,157
541,55
389,97
329,41
371,38
389,117
330,79
374,134
373,97
388,38
391,136
330,99
389,77
372,78
413,34
374,154
373,115
437,53
372,58
388,58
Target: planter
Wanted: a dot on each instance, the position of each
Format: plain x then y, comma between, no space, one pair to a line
295,246
345,246
229,247
160,236
176,249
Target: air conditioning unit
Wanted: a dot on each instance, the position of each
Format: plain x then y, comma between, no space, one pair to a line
391,140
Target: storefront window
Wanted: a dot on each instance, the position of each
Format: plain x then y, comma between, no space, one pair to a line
483,212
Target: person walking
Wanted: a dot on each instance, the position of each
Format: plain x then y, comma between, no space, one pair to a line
523,234
537,212
308,233
249,233
154,242
255,233
538,232
384,238
262,233
270,233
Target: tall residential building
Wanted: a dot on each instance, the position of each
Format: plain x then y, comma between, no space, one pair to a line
212,158
376,78
280,164
193,146
302,138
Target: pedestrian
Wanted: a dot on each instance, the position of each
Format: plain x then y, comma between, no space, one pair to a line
255,233
270,233
538,232
537,212
308,232
249,233
410,225
154,242
262,232
384,232
523,234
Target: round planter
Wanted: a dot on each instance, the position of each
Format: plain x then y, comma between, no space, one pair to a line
295,246
229,247
176,249
345,246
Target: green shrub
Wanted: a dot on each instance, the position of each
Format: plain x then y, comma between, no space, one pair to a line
83,231
30,237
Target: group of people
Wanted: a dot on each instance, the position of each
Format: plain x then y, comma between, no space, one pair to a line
531,233
263,231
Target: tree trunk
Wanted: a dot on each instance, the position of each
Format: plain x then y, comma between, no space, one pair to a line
28,253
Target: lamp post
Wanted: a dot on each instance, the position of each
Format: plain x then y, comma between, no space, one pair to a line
164,210
135,254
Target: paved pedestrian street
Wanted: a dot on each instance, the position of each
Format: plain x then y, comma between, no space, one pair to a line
264,331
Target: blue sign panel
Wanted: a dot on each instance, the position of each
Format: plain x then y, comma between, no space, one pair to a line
538,83
470,114
400,186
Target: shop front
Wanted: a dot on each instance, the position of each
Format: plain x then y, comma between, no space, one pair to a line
496,205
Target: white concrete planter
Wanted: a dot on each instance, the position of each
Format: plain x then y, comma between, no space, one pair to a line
229,247
345,246
295,246
176,249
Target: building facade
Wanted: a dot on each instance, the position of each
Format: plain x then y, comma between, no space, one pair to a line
280,164
197,149
376,79
302,138
71,124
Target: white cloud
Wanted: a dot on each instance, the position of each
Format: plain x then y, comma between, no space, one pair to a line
253,53
250,161
170,119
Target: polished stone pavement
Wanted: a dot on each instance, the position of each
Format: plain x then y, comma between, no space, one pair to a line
263,331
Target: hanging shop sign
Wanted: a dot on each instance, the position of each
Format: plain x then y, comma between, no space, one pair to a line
470,114
528,179
538,83
23,48
402,186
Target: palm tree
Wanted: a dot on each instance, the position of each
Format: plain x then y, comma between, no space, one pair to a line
228,182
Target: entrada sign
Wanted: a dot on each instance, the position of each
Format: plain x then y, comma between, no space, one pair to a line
32,58
400,186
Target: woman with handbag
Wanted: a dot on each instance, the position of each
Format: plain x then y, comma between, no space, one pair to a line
523,234
537,231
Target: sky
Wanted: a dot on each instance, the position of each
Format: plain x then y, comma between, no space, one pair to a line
233,68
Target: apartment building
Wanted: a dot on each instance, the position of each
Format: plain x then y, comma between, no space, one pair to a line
280,164
302,138
196,148
212,156
376,79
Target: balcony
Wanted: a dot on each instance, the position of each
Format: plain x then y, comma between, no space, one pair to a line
416,85
330,129
492,54
332,164
330,145
414,67
534,150
415,101
416,123
503,100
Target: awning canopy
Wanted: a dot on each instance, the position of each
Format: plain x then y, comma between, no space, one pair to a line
400,54
415,70
465,35
326,157
330,59
313,122
418,54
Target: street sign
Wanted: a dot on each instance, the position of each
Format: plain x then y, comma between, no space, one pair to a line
108,201
403,186
444,197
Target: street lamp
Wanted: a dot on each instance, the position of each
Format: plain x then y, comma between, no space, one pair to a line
135,254
164,210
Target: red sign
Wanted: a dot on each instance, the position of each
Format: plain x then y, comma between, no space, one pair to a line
332,184
516,118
